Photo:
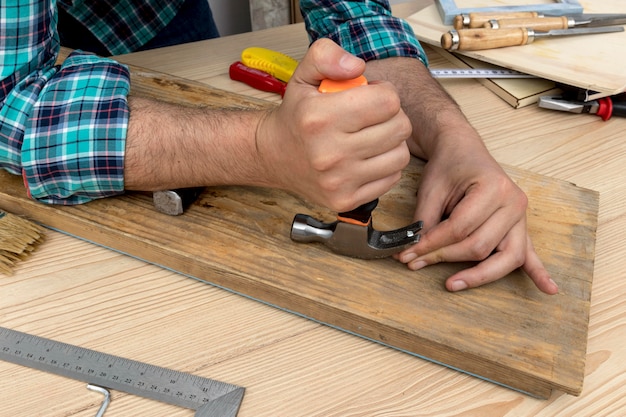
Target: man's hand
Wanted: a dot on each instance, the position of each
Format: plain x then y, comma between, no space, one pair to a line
341,149
472,211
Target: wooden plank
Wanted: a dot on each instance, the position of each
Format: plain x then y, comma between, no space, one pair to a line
587,62
238,238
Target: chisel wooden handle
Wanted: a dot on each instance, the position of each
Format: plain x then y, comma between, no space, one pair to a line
477,39
478,20
542,24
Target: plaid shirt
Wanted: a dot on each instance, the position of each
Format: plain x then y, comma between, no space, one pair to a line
122,26
365,28
63,128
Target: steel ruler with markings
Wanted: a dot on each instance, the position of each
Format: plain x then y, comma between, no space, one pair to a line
207,396
478,73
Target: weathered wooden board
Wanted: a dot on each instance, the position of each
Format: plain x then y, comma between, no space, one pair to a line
592,62
238,238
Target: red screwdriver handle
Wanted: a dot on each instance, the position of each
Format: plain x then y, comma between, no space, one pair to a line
256,78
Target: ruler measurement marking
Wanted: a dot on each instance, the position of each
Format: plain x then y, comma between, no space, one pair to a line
114,372
478,73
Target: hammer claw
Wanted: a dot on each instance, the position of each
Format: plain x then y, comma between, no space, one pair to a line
357,241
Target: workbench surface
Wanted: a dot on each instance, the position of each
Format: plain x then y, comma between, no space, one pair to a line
97,298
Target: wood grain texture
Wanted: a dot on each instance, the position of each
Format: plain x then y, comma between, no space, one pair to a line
238,238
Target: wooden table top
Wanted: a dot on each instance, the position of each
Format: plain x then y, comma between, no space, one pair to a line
83,294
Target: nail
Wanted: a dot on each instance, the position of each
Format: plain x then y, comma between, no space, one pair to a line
458,285
405,259
349,61
418,265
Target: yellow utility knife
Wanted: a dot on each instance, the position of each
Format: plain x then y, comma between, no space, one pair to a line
275,63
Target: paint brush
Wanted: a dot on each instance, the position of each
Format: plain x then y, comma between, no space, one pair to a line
18,238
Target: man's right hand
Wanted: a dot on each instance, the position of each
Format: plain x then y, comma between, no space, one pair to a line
339,150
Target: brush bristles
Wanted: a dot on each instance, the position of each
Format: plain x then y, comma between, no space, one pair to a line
18,237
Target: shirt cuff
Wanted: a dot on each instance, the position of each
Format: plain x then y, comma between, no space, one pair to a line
364,28
73,148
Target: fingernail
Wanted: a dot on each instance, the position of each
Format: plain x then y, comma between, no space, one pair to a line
458,285
418,265
556,286
405,259
349,61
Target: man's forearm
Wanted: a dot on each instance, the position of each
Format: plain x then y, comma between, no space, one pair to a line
431,110
170,146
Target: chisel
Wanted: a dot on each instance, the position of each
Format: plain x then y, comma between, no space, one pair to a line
560,22
480,20
479,39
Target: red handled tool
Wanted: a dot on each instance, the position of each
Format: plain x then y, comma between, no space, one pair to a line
256,78
604,107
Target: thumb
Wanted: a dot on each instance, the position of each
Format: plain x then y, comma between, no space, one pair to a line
325,59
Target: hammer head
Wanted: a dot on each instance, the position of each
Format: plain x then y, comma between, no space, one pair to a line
355,240
175,202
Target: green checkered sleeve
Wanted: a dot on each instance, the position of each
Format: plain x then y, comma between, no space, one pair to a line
74,139
364,28
62,128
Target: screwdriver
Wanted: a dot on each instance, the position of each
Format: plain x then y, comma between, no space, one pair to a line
560,22
479,39
256,78
604,107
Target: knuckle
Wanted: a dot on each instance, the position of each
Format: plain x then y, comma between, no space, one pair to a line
392,102
407,129
480,250
406,156
310,120
323,162
522,200
330,185
459,233
518,198
518,258
341,204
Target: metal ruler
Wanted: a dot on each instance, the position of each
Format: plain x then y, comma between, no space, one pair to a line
478,73
208,397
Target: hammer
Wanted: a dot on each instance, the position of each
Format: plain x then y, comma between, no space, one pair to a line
175,202
353,233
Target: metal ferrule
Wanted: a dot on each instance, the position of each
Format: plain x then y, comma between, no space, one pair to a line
531,36
466,20
455,40
493,24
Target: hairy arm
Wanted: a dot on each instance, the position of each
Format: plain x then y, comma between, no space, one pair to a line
329,148
170,146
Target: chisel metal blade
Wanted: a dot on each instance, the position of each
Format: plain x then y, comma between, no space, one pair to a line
578,31
600,20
